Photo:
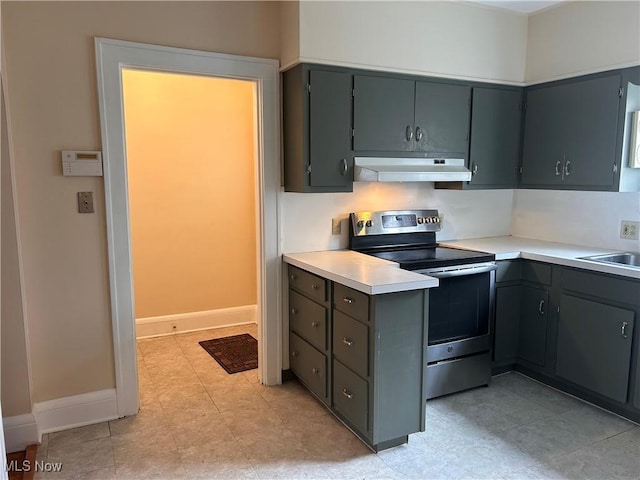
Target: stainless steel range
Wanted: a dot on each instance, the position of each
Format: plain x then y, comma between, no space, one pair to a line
460,308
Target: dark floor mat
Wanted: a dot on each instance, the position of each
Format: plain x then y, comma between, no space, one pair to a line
235,354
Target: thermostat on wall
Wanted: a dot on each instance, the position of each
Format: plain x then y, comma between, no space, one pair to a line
81,163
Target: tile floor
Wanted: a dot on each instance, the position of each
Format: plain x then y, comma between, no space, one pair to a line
196,421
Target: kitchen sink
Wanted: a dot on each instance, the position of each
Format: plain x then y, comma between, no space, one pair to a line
628,259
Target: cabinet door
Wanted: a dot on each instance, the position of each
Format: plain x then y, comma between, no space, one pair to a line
330,129
532,344
383,114
494,151
591,132
594,346
508,306
546,118
442,118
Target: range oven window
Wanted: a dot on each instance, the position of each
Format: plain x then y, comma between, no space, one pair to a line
459,308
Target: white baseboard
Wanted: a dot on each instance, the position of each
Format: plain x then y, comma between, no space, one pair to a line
76,411
20,431
188,322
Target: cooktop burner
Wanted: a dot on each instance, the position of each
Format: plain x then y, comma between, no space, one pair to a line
407,237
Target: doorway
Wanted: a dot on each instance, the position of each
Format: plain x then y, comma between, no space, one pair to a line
112,57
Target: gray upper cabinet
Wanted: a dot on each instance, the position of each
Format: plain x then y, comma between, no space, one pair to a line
571,134
403,115
317,130
494,149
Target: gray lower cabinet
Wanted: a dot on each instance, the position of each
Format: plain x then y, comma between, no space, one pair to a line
594,346
571,134
317,129
532,331
375,355
507,323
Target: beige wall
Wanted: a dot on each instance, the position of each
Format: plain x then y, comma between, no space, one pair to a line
190,163
52,93
16,396
582,37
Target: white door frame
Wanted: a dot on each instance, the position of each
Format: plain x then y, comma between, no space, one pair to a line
111,57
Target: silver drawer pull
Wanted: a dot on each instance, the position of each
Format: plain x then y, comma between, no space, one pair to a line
314,324
348,300
541,307
558,164
293,311
314,286
347,342
294,353
292,277
623,330
315,370
347,393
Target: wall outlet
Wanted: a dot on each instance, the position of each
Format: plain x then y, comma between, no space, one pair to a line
85,202
336,226
629,230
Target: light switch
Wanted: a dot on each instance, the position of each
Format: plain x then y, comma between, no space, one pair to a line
85,202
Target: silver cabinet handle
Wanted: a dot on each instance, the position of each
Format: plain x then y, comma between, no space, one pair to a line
409,133
294,353
347,342
314,324
315,370
292,277
558,163
347,393
419,134
345,167
347,300
474,168
567,168
541,307
314,286
623,330
293,311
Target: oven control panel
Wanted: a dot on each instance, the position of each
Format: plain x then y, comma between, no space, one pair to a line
394,221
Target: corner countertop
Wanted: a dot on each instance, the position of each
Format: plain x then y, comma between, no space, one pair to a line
361,272
506,248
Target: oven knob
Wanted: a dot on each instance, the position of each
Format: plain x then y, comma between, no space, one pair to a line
436,219
420,220
360,224
427,219
369,223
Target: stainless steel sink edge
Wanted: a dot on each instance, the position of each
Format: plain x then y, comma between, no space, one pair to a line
623,259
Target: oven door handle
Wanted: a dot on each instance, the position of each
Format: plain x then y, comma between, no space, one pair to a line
460,272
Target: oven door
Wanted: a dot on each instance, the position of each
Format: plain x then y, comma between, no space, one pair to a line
460,310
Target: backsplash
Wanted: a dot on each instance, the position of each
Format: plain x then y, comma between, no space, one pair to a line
582,218
306,217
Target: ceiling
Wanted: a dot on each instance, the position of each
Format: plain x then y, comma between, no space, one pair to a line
523,6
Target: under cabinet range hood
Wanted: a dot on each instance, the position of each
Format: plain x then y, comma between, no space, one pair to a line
379,169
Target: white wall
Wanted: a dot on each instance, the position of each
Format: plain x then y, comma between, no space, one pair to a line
582,218
306,218
582,37
447,39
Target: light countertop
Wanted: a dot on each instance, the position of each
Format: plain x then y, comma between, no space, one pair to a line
508,247
361,272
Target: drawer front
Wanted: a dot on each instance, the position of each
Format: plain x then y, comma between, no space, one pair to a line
351,302
308,319
509,271
350,396
351,343
311,285
309,365
536,272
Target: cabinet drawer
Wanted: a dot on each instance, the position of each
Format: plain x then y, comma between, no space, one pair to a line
509,271
308,283
308,319
351,302
350,396
536,272
309,365
351,343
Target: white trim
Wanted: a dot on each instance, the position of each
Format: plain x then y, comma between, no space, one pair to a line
75,411
111,57
192,321
579,73
20,431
